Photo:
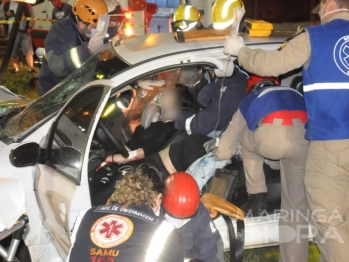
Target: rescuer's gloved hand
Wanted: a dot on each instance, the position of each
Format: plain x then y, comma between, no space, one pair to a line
232,45
147,84
96,41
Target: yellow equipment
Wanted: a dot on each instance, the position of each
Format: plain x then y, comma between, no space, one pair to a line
185,17
258,28
223,12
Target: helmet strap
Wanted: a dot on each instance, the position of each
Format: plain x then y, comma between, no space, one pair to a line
85,28
77,18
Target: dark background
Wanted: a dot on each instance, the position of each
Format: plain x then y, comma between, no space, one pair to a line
279,11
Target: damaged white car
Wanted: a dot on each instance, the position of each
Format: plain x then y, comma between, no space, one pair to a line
56,142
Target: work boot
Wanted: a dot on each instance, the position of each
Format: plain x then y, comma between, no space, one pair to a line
256,204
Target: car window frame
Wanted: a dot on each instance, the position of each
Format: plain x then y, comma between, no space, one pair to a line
51,132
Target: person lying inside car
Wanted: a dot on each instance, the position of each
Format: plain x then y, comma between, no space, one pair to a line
219,100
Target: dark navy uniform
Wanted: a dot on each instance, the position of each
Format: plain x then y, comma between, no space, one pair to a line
65,51
204,122
113,233
201,238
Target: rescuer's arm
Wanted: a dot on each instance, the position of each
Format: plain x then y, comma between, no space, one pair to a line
293,54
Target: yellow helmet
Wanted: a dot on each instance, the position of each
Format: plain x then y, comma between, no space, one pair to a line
89,10
223,12
186,17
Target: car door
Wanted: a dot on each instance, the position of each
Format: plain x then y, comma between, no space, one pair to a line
61,182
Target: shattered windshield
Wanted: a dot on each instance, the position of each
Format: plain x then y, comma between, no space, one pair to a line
101,65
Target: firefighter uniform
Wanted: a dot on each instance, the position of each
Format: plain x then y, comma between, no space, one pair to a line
113,233
270,124
215,106
322,50
65,51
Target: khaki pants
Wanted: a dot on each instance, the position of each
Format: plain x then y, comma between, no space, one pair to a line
327,190
287,144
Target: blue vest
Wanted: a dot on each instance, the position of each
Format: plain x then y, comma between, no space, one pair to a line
258,104
326,82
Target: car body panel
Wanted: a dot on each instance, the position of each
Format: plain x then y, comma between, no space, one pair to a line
56,192
150,46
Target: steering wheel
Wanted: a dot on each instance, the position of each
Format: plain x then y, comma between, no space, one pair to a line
112,139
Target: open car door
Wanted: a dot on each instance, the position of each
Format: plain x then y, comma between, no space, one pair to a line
61,182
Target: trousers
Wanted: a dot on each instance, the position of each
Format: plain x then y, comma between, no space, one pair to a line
327,192
287,144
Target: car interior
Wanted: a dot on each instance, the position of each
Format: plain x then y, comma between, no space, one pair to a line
123,114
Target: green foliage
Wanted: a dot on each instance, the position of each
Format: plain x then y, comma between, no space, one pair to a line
19,82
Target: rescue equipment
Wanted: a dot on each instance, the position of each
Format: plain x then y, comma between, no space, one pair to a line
258,27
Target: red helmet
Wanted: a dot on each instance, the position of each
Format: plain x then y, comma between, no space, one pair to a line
182,195
255,81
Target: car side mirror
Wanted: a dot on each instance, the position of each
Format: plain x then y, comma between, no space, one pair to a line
26,154
69,156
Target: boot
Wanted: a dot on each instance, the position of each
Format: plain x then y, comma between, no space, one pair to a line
256,204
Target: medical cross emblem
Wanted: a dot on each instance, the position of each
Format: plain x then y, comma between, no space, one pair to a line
110,229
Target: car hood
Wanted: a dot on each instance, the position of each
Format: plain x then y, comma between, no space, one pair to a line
9,105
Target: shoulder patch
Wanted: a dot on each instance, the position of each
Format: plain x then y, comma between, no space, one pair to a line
111,230
299,31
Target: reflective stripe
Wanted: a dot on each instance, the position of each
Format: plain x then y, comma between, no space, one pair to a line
324,86
158,241
75,57
187,124
270,89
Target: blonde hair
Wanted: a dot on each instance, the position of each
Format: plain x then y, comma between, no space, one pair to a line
142,185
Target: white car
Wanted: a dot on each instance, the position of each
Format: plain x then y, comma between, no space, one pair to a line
57,138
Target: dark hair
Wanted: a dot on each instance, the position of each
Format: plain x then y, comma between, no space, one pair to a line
187,97
155,176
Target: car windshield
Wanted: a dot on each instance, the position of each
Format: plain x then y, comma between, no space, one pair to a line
102,65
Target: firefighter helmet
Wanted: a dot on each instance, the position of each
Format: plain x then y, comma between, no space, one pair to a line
181,196
186,17
223,12
89,11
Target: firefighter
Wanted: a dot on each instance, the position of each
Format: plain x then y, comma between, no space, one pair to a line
188,215
128,228
70,42
322,51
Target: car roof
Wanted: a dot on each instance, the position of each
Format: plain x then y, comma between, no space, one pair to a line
138,49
